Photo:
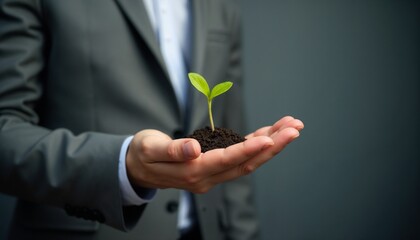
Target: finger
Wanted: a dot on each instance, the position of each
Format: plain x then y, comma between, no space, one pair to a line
158,149
220,160
299,125
182,150
281,124
294,123
259,132
268,130
281,139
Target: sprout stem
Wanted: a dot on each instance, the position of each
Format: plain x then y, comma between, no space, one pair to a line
201,85
211,116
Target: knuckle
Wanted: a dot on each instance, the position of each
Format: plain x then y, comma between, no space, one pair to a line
247,169
190,178
172,151
146,147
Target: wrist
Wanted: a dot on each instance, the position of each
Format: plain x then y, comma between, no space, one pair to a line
132,194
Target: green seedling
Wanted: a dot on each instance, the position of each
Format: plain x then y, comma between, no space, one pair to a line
201,85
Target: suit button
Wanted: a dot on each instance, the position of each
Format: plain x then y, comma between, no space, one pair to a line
172,206
178,134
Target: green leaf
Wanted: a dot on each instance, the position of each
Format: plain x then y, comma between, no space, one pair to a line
220,89
199,83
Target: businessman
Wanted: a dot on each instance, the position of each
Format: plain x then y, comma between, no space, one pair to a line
94,110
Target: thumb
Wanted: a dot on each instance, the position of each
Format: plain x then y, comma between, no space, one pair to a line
179,150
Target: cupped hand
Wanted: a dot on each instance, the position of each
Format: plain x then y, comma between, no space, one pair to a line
154,160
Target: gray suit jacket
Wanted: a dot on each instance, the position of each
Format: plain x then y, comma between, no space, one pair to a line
76,78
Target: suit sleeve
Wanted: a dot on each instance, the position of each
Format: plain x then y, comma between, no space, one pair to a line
238,194
41,165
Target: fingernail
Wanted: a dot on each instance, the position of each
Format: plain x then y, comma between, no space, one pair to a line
301,127
188,149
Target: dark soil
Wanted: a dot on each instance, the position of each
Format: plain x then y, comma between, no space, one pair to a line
219,138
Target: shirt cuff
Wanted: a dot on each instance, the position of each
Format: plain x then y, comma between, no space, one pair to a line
131,196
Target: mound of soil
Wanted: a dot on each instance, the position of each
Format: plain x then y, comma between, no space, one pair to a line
219,138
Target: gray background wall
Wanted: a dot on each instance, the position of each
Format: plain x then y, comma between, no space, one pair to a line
351,71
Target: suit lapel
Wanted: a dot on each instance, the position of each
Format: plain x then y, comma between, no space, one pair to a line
136,13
